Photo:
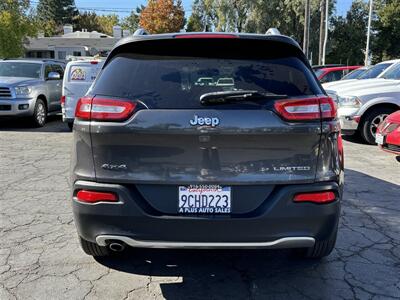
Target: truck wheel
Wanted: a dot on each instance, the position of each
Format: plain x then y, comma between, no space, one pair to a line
39,114
93,249
371,122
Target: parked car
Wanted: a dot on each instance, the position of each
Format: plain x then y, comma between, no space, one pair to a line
333,73
388,135
79,76
374,72
362,108
30,88
355,74
161,162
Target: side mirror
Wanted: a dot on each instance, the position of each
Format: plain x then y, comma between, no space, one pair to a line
53,76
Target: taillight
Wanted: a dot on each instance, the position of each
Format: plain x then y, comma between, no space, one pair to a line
306,109
104,109
62,100
95,196
318,197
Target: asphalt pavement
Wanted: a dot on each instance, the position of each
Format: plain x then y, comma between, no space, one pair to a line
40,257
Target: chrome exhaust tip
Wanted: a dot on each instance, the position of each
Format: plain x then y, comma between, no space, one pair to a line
116,246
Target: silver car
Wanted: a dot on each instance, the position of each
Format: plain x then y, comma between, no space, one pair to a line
30,88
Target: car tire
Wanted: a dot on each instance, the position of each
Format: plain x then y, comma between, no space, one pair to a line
70,125
371,121
320,249
93,249
39,114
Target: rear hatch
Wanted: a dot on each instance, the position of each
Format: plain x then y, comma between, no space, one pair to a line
172,140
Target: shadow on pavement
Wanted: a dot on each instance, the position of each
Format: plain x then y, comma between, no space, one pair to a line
355,138
223,274
54,124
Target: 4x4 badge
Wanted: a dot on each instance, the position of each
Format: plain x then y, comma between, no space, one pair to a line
204,121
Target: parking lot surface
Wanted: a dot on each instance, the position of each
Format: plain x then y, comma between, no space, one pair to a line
40,257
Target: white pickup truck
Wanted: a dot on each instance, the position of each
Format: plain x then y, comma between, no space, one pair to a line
364,104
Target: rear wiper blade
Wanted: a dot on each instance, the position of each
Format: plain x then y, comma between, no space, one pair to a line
236,96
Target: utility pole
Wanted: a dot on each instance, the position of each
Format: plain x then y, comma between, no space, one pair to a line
326,31
366,61
321,31
306,29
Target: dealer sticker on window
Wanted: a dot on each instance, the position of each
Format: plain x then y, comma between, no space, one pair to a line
204,199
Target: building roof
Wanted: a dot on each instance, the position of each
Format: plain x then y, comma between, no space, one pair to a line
85,34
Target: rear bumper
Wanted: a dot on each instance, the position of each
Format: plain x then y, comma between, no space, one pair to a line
17,107
348,124
276,219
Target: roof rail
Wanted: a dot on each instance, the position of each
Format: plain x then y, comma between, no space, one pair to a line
273,31
140,31
36,59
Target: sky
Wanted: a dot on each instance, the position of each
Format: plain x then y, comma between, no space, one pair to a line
123,7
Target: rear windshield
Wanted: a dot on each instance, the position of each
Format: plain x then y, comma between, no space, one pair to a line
375,71
354,74
178,82
83,73
393,73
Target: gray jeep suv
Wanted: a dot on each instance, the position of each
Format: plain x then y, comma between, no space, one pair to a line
162,162
30,88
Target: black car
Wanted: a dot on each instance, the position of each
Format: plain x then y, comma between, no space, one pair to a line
250,158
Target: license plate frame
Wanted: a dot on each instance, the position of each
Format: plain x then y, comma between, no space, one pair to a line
204,199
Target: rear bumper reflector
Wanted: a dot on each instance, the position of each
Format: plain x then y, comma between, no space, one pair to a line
94,196
319,197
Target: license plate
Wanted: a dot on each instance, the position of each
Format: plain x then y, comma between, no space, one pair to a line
379,139
204,199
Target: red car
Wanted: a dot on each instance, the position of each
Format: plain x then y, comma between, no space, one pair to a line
388,134
328,74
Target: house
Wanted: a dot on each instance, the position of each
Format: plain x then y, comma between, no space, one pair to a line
75,43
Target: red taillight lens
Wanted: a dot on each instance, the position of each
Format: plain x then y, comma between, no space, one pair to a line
306,109
83,108
62,100
93,197
104,109
319,197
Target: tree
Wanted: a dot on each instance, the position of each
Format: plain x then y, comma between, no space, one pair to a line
58,12
107,22
132,21
195,23
15,25
88,21
387,26
348,35
161,16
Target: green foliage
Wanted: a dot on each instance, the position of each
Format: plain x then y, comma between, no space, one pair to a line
347,39
86,20
132,21
387,42
107,22
15,25
59,12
